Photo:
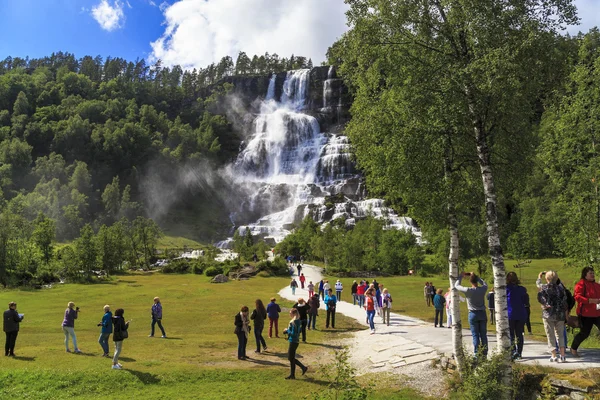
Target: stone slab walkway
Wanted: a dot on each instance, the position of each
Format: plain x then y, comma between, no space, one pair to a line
410,340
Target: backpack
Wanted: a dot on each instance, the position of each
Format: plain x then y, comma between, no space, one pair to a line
570,299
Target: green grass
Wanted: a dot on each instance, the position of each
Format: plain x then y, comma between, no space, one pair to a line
177,242
198,360
407,292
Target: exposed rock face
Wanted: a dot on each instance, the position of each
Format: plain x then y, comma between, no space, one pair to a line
219,279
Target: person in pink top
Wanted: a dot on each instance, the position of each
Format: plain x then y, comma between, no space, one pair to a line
360,292
302,280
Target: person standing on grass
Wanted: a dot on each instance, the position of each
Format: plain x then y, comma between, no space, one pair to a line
273,311
106,330
386,299
439,303
370,302
157,318
311,289
303,309
302,279
587,295
242,329
553,299
313,312
258,316
330,303
321,289
68,326
338,289
491,306
11,323
360,293
427,294
293,332
476,305
119,334
516,298
353,290
293,285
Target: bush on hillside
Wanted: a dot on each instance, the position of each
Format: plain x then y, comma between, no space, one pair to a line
213,271
181,266
277,267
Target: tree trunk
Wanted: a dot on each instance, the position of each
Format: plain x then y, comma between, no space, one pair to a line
457,342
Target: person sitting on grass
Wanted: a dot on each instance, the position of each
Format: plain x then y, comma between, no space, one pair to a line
438,303
293,332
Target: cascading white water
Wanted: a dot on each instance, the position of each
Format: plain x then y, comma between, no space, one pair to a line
290,165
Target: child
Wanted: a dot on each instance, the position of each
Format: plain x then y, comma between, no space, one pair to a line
439,302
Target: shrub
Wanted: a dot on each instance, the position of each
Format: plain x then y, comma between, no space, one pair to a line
197,268
213,271
181,266
277,267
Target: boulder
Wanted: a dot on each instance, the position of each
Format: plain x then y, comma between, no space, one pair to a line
219,279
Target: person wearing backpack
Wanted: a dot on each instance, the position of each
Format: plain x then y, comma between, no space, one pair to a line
330,302
313,311
293,332
120,333
587,295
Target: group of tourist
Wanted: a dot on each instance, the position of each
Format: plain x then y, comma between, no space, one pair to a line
109,324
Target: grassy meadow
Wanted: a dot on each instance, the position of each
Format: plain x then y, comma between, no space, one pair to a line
407,292
197,360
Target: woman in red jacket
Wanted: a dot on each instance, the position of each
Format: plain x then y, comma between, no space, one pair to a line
587,294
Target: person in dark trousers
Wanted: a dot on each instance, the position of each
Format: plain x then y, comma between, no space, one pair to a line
242,329
587,295
299,269
313,312
528,311
353,290
273,311
303,309
302,279
293,332
12,319
258,316
106,330
157,318
491,305
321,290
516,298
120,333
330,303
439,303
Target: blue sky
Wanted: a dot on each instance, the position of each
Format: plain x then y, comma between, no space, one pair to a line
187,32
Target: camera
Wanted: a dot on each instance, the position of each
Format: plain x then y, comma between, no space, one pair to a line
285,332
76,308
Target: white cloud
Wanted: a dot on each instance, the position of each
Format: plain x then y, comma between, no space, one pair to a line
199,32
110,17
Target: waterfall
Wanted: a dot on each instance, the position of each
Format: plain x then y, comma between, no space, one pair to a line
288,166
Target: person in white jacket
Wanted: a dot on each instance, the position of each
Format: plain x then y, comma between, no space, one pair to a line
338,289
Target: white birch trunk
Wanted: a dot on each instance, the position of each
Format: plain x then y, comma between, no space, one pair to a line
457,342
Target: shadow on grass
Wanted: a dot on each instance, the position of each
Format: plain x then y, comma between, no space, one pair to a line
172,338
267,362
329,346
21,358
127,359
144,377
316,381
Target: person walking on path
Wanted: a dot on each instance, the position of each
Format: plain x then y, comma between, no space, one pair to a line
299,269
106,330
11,323
302,279
330,303
476,306
491,306
439,302
516,298
273,311
293,332
587,295
120,333
338,289
293,285
360,293
303,309
313,311
326,287
321,289
387,306
68,326
353,290
553,299
242,329
259,315
311,289
370,302
427,294
157,318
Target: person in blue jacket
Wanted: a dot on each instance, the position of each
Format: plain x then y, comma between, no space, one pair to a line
157,314
330,303
516,297
106,330
293,332
321,289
